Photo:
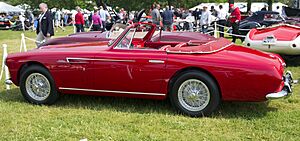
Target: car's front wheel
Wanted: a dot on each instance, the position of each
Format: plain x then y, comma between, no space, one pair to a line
37,85
195,94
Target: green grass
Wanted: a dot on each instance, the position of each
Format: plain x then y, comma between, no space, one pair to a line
76,117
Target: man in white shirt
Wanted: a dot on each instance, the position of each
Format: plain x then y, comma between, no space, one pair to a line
205,19
222,16
104,15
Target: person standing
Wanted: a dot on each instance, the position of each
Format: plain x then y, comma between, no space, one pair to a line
44,28
22,20
221,15
235,19
205,19
79,20
196,15
104,16
265,8
278,10
213,11
167,17
58,20
97,23
156,18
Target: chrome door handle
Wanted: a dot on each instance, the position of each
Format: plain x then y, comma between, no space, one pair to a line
77,61
157,61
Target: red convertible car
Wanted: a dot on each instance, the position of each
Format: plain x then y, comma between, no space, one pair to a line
195,75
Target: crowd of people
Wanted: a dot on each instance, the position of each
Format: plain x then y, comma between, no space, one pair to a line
168,18
198,20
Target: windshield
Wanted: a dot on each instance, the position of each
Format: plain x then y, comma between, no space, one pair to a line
135,34
126,41
115,31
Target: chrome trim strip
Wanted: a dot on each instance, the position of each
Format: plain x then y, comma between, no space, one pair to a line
108,91
103,60
157,61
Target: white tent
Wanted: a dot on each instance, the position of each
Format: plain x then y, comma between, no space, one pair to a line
6,8
256,6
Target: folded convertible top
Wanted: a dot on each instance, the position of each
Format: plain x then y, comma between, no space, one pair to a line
196,47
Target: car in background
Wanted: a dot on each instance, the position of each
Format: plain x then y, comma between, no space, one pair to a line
4,23
260,19
281,39
196,75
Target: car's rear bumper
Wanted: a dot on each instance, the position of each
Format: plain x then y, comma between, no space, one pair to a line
287,89
280,47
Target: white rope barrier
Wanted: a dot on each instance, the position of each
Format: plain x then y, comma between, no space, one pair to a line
216,31
207,33
4,68
242,36
91,26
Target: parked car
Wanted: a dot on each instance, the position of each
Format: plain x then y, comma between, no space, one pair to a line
195,75
4,23
260,19
281,39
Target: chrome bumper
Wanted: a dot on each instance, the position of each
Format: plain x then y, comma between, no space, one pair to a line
287,89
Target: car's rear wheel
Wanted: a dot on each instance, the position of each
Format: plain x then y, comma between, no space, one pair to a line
195,94
37,85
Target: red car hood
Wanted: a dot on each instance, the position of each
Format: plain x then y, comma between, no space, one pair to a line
88,46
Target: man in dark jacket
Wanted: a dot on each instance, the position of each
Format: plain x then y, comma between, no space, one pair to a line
167,17
44,29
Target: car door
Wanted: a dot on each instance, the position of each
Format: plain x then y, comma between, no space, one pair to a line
73,71
130,71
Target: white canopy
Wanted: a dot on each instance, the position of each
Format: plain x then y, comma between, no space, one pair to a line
6,8
256,6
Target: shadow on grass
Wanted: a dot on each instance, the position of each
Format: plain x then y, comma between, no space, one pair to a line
292,61
241,110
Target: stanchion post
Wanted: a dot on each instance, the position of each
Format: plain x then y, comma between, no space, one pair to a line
215,31
24,42
74,28
4,67
21,44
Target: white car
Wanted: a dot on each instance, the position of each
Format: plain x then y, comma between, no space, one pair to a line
280,39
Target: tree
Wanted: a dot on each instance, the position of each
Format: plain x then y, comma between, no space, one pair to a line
100,3
249,3
270,3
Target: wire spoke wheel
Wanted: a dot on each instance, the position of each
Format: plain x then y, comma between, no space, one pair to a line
38,86
193,95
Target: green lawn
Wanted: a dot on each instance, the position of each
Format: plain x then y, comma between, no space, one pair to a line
76,117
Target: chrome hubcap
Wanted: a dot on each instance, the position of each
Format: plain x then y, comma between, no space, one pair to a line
37,86
193,95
